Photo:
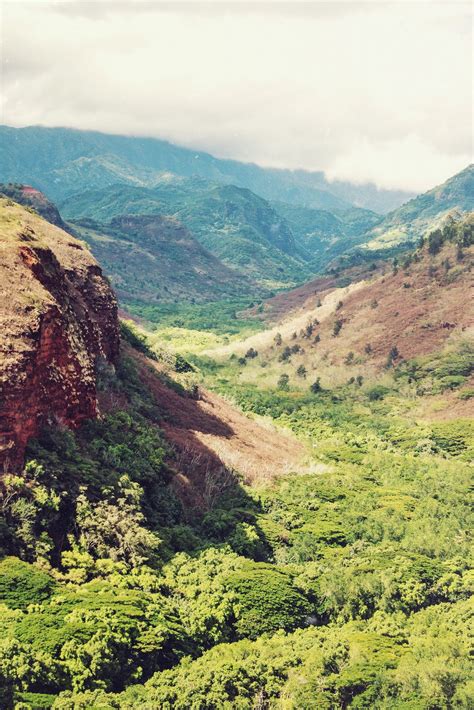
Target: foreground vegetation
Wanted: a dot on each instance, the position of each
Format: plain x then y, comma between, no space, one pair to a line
345,586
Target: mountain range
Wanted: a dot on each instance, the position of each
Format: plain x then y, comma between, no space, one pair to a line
63,161
204,229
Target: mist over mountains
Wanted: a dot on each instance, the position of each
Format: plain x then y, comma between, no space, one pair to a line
62,161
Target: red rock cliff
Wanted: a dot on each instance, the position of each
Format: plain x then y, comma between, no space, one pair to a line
58,323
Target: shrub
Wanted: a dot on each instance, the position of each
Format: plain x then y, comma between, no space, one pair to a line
22,584
266,600
377,392
301,371
283,383
251,353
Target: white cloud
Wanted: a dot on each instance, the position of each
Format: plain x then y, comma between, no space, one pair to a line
375,91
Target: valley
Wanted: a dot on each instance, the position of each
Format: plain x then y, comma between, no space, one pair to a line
236,434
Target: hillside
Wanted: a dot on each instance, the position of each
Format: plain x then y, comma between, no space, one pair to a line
321,236
154,259
424,213
58,322
61,162
237,226
30,197
386,314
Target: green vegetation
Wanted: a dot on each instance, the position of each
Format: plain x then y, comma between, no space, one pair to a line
235,225
153,259
321,236
344,586
220,317
425,213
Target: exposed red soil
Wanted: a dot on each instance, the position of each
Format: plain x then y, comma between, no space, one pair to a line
416,310
211,436
283,304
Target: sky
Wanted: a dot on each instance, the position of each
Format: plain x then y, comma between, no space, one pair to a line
365,91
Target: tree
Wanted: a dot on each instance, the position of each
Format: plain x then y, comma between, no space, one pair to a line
251,353
316,386
435,242
392,356
283,383
266,600
285,355
278,339
308,332
301,371
336,329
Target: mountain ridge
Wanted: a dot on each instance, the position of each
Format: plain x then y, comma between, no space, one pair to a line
57,149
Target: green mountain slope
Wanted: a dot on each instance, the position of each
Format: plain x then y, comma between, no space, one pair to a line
233,223
61,162
320,235
154,259
425,212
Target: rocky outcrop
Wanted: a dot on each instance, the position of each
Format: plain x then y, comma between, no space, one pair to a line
58,326
31,197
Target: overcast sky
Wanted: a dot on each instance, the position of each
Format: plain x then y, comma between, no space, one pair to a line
378,91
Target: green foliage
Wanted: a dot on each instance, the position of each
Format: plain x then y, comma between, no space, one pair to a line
22,584
433,374
266,600
377,392
221,317
343,585
136,339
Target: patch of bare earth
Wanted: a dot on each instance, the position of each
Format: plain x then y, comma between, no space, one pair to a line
214,442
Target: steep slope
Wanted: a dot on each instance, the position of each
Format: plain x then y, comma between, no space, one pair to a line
152,258
383,317
425,212
58,325
236,225
62,162
30,197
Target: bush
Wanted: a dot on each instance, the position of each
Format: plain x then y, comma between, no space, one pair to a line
266,600
377,392
22,584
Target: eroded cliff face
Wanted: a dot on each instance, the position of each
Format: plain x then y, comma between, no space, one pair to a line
58,325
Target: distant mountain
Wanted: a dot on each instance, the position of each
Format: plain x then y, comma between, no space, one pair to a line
424,213
237,226
61,162
154,259
320,235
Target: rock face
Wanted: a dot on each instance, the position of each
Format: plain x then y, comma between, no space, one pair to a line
58,325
